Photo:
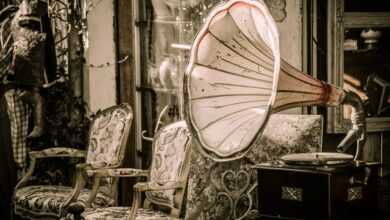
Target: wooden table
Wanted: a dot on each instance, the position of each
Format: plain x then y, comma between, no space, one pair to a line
317,192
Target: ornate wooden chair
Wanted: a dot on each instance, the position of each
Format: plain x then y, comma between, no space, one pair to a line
167,179
106,148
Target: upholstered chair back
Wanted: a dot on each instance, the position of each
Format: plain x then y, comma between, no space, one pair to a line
108,136
170,162
228,190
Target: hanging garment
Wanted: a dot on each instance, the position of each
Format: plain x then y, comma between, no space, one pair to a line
7,165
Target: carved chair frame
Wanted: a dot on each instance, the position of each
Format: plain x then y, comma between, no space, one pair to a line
178,186
82,169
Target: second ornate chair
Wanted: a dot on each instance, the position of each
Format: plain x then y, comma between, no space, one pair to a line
106,148
167,179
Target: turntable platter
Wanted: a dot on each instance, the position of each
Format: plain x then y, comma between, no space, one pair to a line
317,158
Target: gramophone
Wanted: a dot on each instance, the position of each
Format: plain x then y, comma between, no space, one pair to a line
236,79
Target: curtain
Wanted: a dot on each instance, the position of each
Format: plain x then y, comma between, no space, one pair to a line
7,165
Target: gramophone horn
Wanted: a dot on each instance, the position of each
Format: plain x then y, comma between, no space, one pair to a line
235,79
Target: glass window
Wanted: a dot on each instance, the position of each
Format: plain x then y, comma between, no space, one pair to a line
171,28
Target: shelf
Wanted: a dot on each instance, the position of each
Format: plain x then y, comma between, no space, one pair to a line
361,51
366,19
375,124
357,64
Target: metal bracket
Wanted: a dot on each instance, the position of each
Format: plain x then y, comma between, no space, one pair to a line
292,193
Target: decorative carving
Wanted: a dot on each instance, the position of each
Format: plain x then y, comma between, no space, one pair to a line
168,177
355,193
277,9
228,190
292,193
106,137
234,184
168,147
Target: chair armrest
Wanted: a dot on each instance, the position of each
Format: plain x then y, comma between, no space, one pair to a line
57,152
87,170
81,177
117,172
47,153
74,210
152,186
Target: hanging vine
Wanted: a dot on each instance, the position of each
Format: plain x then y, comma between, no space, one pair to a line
67,116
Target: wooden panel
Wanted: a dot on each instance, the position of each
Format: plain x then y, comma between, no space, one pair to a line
126,84
371,150
365,19
302,202
385,156
317,192
102,57
124,46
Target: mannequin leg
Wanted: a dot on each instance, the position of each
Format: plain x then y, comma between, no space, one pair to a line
7,166
18,114
36,101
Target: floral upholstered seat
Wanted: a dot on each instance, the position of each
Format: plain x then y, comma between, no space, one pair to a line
49,199
167,179
121,213
108,135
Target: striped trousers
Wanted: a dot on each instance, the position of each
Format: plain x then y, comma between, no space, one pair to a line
19,115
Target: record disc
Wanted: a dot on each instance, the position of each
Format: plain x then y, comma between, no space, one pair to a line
317,158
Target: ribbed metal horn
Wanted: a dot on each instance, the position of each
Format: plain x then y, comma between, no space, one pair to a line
235,79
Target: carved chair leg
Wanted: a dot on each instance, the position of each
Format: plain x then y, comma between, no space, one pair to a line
75,210
147,204
175,212
136,204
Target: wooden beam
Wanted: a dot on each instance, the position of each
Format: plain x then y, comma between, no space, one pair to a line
126,84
